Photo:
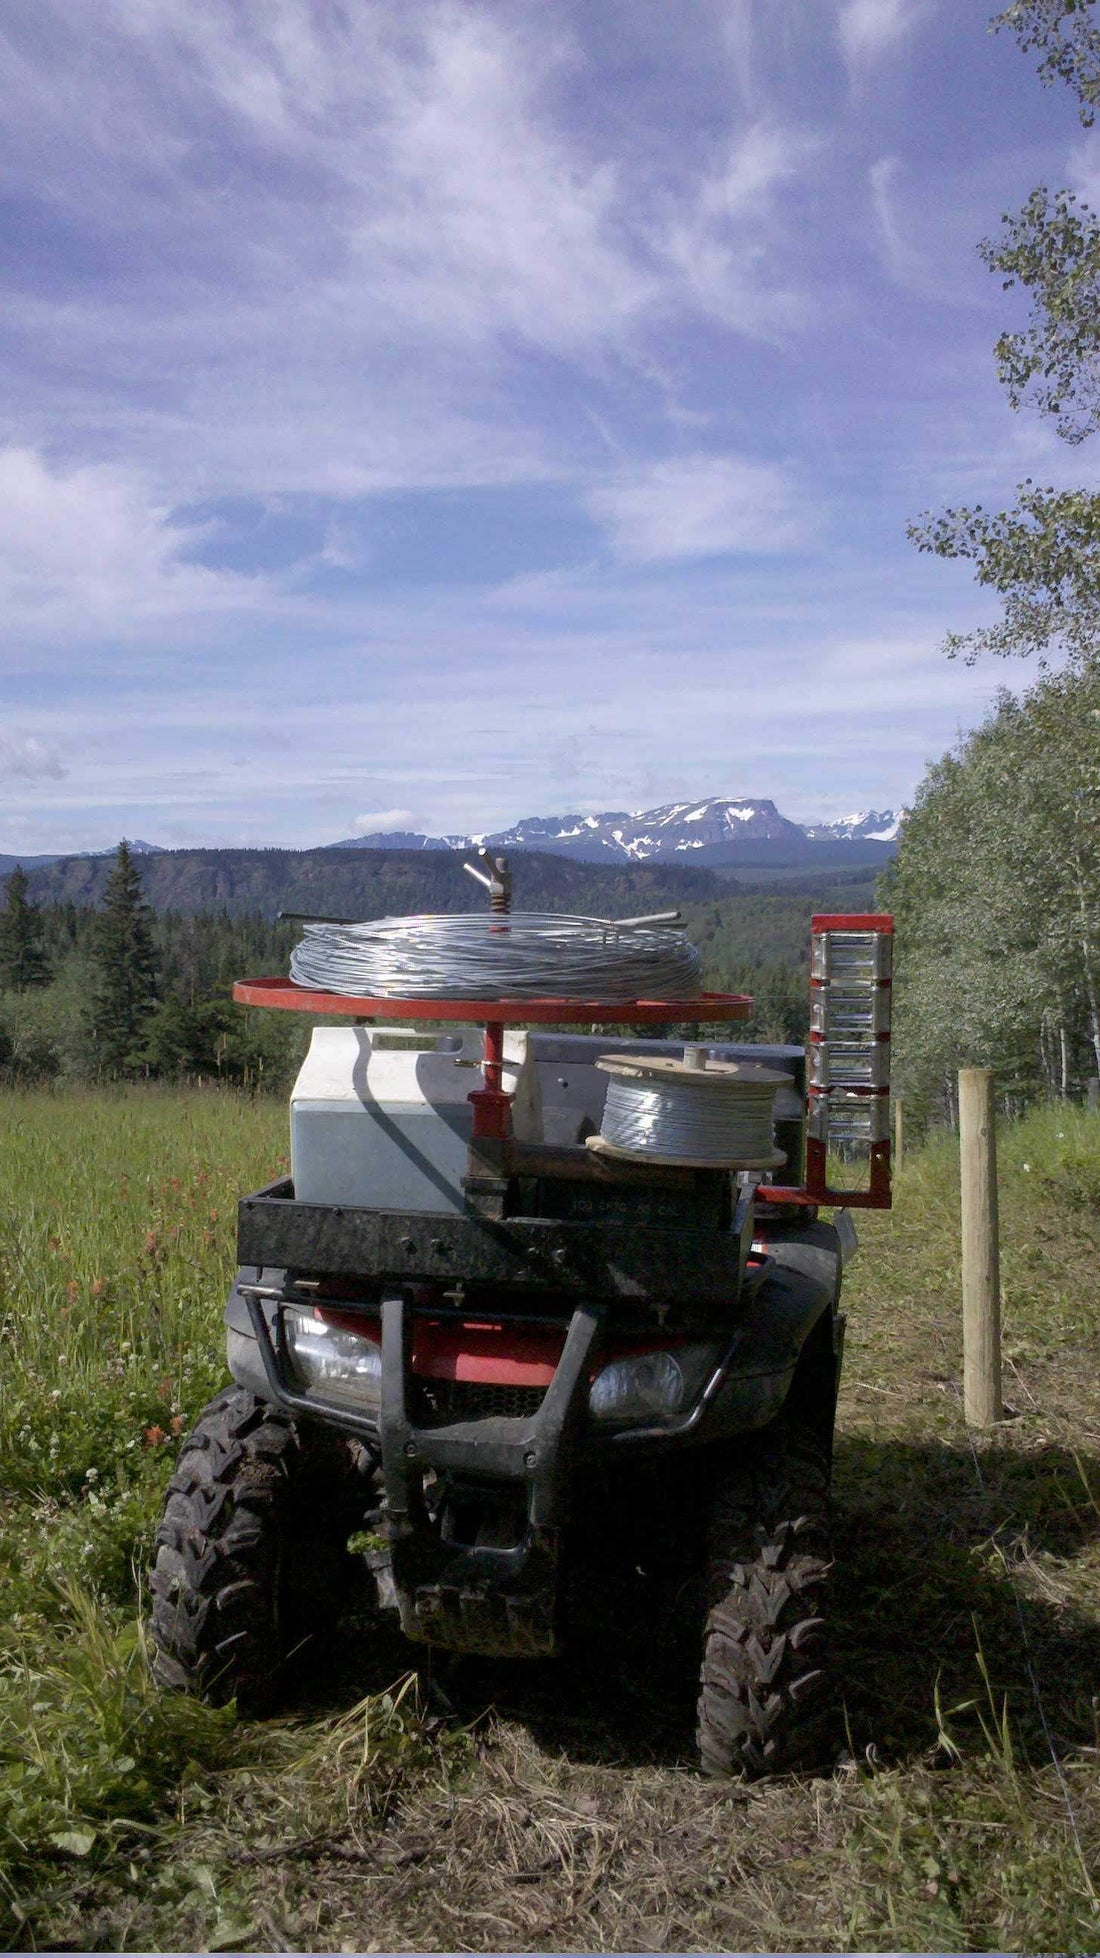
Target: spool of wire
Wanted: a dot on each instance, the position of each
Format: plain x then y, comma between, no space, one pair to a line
717,1115
468,955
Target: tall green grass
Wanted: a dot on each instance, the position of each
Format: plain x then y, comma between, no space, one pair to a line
117,1247
117,1218
116,1244
905,1288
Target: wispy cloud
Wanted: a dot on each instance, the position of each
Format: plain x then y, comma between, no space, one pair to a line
652,704
926,252
89,548
872,29
901,258
700,506
383,819
343,226
24,757
716,238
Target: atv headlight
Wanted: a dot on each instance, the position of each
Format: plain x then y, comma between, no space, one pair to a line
650,1389
333,1363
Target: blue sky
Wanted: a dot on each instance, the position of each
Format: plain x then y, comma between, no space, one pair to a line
424,416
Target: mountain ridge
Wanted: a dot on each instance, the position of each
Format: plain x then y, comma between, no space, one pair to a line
710,832
722,834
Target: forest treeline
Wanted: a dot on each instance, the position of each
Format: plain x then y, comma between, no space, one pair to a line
119,990
996,892
364,883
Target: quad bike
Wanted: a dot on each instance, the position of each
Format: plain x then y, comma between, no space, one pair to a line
480,1347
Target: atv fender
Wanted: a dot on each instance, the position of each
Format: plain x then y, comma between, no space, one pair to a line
242,1348
788,1343
816,1250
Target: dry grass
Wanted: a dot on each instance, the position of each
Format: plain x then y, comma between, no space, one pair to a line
556,1807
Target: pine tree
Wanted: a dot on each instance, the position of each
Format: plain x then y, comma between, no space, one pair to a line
124,987
23,961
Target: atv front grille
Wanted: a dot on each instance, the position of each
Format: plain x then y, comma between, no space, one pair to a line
437,1403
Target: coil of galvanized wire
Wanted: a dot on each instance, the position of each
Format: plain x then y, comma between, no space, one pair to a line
468,955
676,1112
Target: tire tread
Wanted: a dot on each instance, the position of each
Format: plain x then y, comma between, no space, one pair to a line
214,1624
762,1683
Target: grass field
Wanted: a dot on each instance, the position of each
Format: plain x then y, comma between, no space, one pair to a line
545,1807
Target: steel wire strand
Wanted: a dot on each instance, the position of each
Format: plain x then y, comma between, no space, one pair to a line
469,955
716,1123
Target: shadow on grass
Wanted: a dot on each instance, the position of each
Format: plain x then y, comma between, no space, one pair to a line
937,1556
919,1584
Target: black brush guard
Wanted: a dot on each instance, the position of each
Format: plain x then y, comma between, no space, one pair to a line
491,1588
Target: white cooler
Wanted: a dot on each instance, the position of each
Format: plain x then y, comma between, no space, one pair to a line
379,1116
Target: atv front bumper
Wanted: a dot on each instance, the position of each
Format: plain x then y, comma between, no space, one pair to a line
475,1509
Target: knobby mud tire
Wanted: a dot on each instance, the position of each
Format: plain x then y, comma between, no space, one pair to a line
763,1681
245,1566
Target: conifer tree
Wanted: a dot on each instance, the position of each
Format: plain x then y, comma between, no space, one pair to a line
23,961
124,987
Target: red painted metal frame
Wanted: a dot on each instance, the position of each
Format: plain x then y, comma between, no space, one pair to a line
816,1190
491,1104
879,921
548,1011
877,1195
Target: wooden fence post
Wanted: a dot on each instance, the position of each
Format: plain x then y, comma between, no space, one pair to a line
981,1273
899,1130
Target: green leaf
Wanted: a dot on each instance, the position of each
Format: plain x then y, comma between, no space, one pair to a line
230,1934
74,1842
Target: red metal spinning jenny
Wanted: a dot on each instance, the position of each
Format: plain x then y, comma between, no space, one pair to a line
539,1012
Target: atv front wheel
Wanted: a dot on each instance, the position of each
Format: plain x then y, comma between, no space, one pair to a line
762,1681
250,1555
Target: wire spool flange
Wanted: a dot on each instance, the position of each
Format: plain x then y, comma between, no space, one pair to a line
690,1113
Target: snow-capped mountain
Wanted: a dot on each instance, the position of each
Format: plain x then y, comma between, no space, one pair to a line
402,839
689,830
715,830
866,826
